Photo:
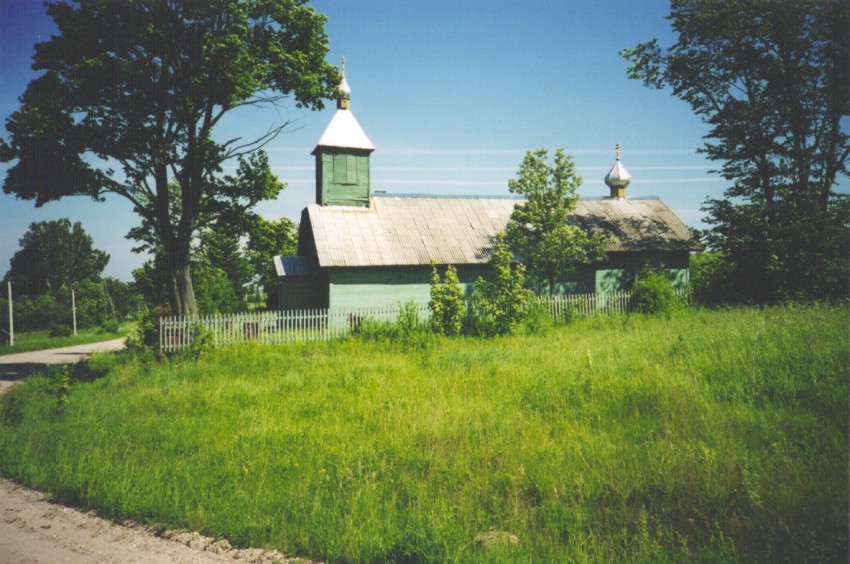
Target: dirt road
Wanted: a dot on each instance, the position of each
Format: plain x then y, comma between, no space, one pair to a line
16,367
34,530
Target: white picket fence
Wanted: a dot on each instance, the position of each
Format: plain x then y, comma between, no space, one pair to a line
584,305
272,327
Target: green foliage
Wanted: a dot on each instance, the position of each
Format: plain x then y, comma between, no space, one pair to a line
700,438
539,230
538,319
772,80
712,280
151,282
143,340
267,239
46,312
446,304
62,382
653,292
499,307
201,345
219,248
214,291
109,326
407,332
59,330
54,255
145,86
97,303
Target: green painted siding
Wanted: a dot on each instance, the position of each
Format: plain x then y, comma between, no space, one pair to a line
342,178
294,292
617,274
351,288
364,287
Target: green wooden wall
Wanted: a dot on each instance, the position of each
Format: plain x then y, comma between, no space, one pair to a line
618,273
342,178
351,288
359,287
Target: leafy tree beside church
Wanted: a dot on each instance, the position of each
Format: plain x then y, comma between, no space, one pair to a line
772,81
539,230
142,87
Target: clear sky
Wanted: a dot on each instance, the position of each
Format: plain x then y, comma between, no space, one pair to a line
452,94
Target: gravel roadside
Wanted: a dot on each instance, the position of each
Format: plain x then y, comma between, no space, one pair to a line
34,530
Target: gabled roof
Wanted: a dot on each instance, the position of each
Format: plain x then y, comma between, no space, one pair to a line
344,132
399,231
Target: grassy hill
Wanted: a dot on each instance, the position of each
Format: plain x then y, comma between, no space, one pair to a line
713,436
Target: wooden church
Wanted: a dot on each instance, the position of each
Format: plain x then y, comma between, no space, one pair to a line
357,248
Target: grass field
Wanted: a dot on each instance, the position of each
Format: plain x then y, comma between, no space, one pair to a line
711,436
40,340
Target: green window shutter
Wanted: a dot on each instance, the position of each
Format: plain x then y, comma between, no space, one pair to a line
340,169
345,169
351,169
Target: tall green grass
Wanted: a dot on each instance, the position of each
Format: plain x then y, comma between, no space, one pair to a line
711,436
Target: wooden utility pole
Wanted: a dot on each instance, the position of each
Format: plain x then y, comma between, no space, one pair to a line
11,319
74,311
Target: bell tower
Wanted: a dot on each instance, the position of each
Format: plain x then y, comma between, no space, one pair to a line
342,157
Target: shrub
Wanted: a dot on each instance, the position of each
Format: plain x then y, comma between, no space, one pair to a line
538,319
109,326
144,338
407,331
46,311
201,345
653,292
24,312
60,330
499,307
446,305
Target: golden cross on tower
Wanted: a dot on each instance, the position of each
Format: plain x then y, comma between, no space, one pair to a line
618,150
343,67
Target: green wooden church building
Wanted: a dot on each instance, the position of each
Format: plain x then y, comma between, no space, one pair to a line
357,248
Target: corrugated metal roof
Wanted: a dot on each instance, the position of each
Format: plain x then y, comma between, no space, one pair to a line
412,231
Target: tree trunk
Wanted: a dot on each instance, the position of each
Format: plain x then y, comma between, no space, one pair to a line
181,292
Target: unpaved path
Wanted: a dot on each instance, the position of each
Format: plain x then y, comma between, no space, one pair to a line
16,367
33,530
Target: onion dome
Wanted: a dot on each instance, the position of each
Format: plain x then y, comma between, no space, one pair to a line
343,101
618,178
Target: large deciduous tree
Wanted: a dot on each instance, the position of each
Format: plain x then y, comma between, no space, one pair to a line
54,255
140,87
539,230
772,80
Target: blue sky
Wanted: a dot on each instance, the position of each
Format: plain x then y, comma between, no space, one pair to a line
452,94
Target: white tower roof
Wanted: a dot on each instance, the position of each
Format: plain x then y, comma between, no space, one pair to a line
343,131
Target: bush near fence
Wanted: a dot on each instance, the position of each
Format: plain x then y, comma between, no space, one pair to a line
274,327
